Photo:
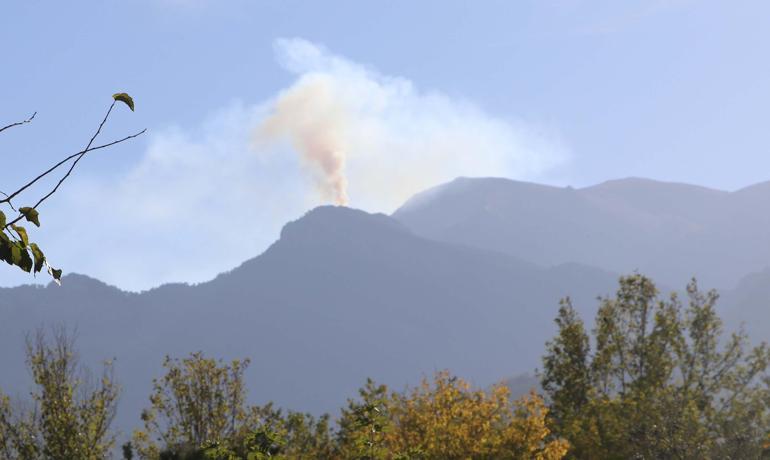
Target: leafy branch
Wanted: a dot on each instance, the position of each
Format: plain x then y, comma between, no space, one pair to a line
15,247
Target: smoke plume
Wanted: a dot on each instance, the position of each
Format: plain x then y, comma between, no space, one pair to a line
310,116
378,140
338,132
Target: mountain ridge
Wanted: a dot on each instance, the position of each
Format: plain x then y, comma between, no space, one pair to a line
342,295
670,231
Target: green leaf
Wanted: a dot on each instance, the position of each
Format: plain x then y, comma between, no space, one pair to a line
2,220
56,274
26,261
15,254
39,257
22,234
5,248
30,214
124,98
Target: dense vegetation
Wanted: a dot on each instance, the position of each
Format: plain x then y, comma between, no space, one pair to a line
654,378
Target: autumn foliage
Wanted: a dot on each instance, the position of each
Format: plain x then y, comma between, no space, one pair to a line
446,418
198,409
654,378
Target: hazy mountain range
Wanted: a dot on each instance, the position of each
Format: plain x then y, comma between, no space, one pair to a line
466,276
671,231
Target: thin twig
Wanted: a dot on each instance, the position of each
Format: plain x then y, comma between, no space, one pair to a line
74,163
72,167
8,200
52,168
19,123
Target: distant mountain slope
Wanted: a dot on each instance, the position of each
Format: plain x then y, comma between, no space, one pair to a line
669,231
748,306
341,296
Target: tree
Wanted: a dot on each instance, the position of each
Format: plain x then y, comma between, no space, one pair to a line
308,437
70,412
295,436
447,419
198,411
364,424
566,376
444,418
16,248
198,403
661,382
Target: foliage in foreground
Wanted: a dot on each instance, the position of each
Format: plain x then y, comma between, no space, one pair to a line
444,418
198,411
16,247
660,382
655,378
70,412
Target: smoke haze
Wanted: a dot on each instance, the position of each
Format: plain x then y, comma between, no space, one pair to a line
203,199
372,141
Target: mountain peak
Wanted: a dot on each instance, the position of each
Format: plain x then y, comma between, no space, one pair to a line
330,219
78,282
640,184
760,188
475,189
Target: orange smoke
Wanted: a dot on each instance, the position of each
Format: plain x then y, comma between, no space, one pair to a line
313,120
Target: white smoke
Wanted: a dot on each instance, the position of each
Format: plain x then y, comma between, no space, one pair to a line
376,140
202,200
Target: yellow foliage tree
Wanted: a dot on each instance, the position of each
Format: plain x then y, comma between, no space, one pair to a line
447,419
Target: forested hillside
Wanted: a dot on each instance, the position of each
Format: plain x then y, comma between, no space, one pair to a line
342,296
656,377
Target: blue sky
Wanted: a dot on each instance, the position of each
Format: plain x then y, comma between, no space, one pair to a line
401,95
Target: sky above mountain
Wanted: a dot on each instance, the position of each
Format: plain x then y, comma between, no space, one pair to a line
258,111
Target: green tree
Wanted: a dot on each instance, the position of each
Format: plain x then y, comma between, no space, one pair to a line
308,437
296,436
261,444
661,382
70,413
566,376
16,248
364,423
199,406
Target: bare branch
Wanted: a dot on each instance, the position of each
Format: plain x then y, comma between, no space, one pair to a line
54,167
79,155
8,200
74,163
19,123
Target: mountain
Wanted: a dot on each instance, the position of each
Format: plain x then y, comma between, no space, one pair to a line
341,296
748,306
466,276
669,231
